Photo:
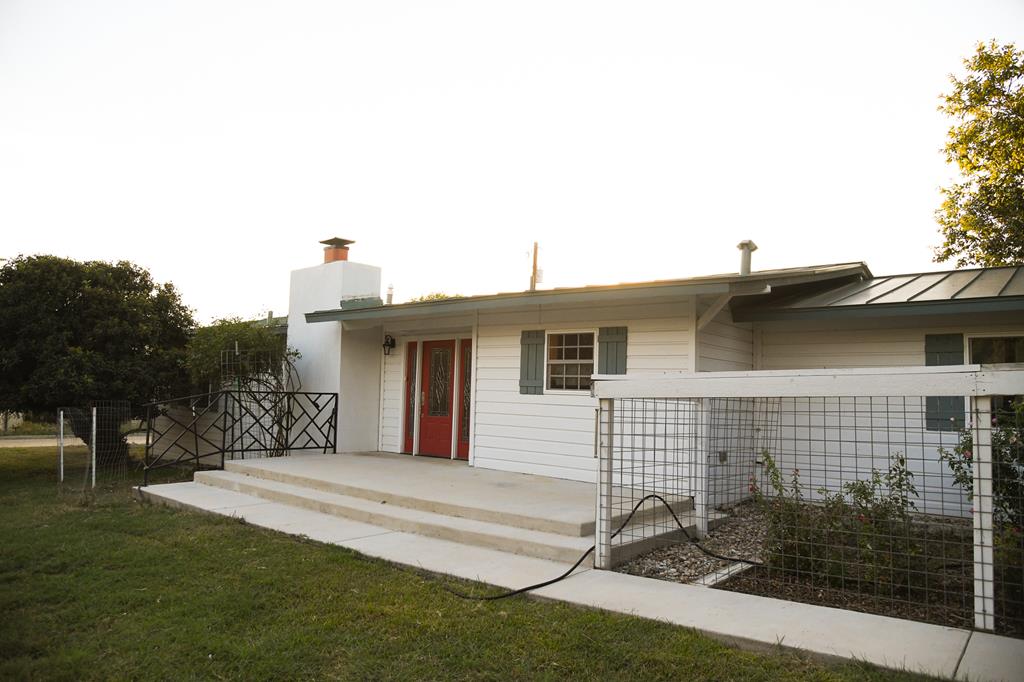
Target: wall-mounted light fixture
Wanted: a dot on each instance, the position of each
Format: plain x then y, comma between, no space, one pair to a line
389,344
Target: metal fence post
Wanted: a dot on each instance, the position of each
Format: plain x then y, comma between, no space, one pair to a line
984,578
145,453
94,447
603,526
60,443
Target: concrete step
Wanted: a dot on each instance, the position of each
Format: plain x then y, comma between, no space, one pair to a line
513,539
433,505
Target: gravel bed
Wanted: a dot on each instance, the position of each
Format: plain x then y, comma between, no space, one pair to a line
742,535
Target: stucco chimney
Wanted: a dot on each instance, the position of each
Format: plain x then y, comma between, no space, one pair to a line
746,248
336,248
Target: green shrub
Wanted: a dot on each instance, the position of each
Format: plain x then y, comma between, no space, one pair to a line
1007,503
859,534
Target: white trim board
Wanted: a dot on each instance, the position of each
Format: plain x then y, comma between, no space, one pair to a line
869,381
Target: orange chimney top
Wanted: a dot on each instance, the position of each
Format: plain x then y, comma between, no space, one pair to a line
336,248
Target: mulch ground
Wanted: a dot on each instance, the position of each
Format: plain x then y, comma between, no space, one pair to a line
946,598
955,609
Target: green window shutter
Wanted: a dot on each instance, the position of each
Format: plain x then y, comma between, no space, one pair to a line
944,413
611,350
531,363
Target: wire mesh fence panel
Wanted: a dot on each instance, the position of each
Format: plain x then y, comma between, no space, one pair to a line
872,503
98,444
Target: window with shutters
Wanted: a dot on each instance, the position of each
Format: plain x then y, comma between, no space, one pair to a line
944,413
570,361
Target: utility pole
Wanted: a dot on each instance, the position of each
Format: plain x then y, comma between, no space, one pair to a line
533,274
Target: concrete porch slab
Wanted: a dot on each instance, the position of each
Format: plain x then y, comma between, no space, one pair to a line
502,569
440,485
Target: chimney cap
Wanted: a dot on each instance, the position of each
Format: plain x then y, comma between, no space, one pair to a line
747,244
337,242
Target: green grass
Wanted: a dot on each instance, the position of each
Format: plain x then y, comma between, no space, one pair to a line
115,589
30,428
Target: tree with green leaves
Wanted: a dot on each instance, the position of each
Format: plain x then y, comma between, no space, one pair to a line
73,332
982,217
436,296
248,349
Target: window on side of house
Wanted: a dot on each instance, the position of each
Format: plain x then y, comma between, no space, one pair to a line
987,350
991,350
944,413
570,361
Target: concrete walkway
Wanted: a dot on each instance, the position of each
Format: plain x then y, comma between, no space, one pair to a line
52,442
745,620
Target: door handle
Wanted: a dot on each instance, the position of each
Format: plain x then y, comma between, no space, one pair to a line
423,403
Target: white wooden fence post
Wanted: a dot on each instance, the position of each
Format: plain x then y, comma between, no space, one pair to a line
60,442
701,466
603,527
984,579
94,447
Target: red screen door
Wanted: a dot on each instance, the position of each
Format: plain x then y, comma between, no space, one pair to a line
438,384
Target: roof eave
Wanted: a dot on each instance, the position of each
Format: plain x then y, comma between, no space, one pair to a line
916,308
470,304
738,285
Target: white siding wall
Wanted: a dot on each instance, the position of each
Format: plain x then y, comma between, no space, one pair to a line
553,434
832,443
724,345
393,395
837,345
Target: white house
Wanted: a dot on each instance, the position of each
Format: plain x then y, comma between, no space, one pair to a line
503,381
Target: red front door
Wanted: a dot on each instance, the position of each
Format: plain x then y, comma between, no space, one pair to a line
436,396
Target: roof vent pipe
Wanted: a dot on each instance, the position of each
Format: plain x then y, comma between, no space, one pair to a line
746,248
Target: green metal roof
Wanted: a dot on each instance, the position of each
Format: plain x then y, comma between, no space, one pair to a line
710,284
975,290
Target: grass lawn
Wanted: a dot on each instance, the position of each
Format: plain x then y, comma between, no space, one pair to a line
117,589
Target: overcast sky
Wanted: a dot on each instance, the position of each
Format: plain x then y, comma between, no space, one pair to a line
216,143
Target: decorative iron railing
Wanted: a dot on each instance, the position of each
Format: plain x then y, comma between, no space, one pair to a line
206,429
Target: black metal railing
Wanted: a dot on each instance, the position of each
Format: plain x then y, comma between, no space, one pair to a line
206,429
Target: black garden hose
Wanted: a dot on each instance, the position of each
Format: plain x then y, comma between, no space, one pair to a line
653,496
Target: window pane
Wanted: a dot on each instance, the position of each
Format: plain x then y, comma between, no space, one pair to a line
467,377
440,377
564,371
997,349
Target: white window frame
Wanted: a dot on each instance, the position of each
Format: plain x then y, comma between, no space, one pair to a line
983,335
968,338
547,366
